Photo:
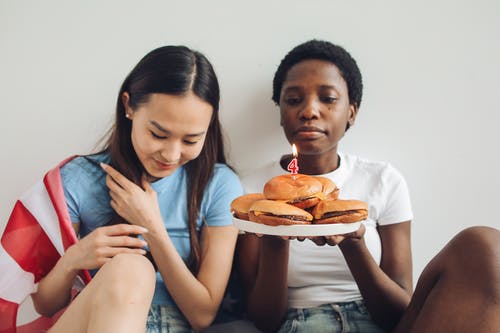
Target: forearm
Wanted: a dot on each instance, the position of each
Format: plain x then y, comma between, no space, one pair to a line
268,300
385,299
54,290
191,296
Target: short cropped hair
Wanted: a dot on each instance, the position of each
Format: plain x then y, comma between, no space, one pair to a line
321,50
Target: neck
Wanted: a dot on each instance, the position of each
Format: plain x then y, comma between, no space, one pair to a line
313,164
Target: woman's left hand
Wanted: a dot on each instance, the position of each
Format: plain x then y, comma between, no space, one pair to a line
136,205
333,240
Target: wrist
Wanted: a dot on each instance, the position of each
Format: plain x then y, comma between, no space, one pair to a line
274,241
67,263
155,234
274,245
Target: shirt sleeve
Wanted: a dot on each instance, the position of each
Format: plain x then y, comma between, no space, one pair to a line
69,181
224,187
397,204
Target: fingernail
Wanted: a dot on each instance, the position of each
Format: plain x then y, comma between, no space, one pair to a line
144,230
103,165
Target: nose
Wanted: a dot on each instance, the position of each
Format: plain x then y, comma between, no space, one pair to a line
310,109
171,151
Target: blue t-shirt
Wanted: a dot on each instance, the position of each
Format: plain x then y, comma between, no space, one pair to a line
88,200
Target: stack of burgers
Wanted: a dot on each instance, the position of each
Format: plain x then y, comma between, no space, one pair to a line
298,199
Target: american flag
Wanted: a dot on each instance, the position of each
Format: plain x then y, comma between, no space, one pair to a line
36,235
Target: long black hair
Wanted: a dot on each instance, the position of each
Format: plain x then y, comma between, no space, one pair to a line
173,70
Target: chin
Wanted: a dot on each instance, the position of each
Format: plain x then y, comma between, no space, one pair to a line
309,148
156,174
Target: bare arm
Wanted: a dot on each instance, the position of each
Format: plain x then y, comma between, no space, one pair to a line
93,251
198,297
386,290
263,265
54,290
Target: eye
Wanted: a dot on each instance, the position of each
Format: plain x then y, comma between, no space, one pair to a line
156,136
190,143
329,99
292,100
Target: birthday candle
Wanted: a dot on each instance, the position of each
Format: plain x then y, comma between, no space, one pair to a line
293,166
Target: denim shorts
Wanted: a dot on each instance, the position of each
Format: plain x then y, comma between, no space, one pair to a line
331,318
166,319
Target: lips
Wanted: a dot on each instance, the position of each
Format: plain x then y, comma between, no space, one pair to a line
309,132
164,166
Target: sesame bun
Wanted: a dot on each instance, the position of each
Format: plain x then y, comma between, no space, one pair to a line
340,211
300,190
272,212
241,204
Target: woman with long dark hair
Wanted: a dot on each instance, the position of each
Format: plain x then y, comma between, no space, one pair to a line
162,175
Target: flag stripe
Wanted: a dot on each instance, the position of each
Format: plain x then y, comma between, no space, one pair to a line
38,202
27,243
8,311
55,191
17,283
36,235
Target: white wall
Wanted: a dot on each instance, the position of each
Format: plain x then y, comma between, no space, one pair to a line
431,73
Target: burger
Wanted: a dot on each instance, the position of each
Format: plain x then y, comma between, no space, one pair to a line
340,211
299,190
241,204
277,213
330,190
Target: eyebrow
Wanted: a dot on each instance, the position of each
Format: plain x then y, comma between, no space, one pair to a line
164,130
323,86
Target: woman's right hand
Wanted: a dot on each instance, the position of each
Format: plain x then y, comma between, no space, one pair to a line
333,240
102,244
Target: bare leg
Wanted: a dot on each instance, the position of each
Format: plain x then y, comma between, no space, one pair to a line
459,290
116,300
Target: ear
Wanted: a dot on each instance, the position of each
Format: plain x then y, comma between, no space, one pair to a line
353,112
128,110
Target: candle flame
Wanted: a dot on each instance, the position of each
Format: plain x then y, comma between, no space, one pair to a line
294,150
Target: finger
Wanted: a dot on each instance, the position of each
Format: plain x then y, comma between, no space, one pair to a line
113,186
121,180
114,204
124,229
101,262
332,240
318,240
145,184
110,252
126,241
259,235
358,233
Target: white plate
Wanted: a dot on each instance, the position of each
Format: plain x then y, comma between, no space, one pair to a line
296,230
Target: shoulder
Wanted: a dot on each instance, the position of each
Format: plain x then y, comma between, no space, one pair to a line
224,179
223,173
83,169
224,187
85,164
382,170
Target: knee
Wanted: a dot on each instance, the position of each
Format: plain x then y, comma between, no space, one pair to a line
475,252
478,243
127,278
